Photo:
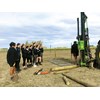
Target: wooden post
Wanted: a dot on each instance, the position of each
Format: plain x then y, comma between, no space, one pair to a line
50,49
66,81
55,53
63,68
87,84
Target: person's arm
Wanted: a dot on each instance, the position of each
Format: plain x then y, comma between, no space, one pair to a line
42,50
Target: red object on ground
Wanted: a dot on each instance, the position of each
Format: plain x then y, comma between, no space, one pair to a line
43,73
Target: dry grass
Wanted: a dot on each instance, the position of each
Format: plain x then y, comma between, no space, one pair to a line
26,77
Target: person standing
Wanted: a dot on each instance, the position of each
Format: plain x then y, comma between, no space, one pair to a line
24,55
97,56
33,47
41,52
36,53
17,65
39,55
29,59
12,57
29,55
75,51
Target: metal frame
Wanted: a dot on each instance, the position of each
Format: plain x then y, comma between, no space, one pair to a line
83,40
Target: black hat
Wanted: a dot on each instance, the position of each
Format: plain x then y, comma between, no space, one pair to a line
75,42
12,44
18,44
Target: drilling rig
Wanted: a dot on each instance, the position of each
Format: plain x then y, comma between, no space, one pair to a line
83,41
83,44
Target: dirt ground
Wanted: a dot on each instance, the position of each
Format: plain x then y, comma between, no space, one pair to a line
28,79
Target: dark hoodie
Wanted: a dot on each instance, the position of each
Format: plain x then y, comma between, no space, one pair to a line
12,56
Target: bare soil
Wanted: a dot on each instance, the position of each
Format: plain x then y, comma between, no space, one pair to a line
28,79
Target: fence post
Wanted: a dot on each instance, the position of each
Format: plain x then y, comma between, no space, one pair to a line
50,49
55,53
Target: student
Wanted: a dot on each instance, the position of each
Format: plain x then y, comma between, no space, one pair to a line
12,57
97,56
27,54
33,47
24,55
19,57
30,55
41,52
75,51
36,50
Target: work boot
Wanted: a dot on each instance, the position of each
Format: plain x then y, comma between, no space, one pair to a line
37,63
12,78
40,63
17,71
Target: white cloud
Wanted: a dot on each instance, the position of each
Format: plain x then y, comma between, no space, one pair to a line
29,19
49,5
52,20
2,39
51,28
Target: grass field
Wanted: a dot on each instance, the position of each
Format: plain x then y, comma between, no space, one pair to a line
26,76
27,79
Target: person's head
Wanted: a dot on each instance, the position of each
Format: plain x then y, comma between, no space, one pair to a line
75,42
30,47
18,45
13,44
37,46
99,42
27,47
34,44
23,46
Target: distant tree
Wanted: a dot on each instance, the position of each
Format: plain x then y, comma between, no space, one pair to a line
39,42
26,43
30,43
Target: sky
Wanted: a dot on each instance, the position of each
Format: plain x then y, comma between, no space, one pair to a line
53,22
55,28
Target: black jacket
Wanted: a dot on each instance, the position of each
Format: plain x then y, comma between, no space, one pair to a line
36,51
24,52
18,52
74,49
42,50
12,56
97,51
29,53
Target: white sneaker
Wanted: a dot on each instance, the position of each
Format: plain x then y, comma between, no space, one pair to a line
24,67
35,65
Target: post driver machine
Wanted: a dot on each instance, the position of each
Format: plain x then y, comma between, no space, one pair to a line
83,41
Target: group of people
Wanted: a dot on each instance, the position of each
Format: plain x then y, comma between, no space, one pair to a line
31,55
